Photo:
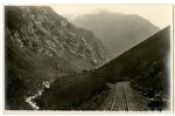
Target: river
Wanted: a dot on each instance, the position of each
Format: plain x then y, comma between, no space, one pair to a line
29,100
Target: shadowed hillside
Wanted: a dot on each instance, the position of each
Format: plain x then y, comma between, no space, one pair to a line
140,58
146,66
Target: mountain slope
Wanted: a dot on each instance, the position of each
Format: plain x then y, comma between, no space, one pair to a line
118,32
42,45
139,58
144,65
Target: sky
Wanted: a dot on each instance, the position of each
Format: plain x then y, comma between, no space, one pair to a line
159,15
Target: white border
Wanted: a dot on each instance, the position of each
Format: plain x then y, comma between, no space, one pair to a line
84,1
36,2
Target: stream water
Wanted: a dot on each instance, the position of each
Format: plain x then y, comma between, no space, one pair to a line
30,99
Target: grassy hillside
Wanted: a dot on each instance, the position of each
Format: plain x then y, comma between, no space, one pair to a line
70,94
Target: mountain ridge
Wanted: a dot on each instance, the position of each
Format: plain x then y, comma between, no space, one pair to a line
117,31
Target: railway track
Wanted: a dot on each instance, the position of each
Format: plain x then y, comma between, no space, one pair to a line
123,98
114,101
117,102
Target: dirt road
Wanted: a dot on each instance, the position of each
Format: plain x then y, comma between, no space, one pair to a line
123,97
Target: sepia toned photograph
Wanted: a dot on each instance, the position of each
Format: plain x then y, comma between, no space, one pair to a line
88,57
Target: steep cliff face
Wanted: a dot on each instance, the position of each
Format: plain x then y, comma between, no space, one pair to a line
41,45
118,32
